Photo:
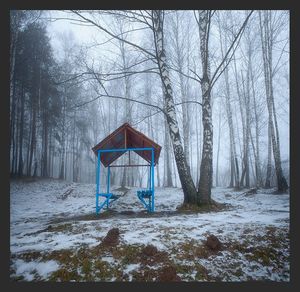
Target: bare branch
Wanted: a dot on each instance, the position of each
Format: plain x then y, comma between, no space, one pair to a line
224,68
276,66
188,76
150,115
113,35
120,97
236,38
189,101
104,76
197,20
146,117
196,75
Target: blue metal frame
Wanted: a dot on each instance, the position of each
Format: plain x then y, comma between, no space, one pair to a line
142,194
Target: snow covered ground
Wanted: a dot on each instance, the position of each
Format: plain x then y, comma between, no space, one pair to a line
49,217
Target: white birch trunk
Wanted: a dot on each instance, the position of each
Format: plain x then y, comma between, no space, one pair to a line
187,183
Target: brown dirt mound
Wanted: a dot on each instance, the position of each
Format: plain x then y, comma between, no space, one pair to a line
150,255
213,243
112,237
168,274
150,250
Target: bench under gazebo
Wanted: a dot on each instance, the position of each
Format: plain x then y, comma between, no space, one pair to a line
122,140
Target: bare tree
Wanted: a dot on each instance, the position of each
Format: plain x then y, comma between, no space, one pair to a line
185,177
234,167
155,20
182,47
269,32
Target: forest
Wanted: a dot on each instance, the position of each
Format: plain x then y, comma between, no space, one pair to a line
63,104
211,87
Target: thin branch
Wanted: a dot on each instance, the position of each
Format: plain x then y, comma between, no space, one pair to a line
105,76
98,79
112,38
127,74
70,79
231,46
189,101
119,97
113,35
188,76
196,75
150,115
84,103
274,70
224,68
144,17
146,117
140,62
196,18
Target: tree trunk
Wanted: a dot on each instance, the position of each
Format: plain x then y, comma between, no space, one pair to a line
12,142
234,168
44,169
259,182
183,92
189,190
218,151
205,181
247,107
63,140
269,163
21,126
233,157
168,173
206,168
267,40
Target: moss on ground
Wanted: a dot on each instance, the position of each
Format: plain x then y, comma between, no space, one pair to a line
86,263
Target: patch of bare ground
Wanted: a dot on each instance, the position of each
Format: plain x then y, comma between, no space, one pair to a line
112,237
195,249
213,206
86,264
126,214
150,255
65,227
269,249
168,274
182,262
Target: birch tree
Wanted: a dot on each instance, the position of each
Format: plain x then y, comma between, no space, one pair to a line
234,167
189,189
206,167
181,47
268,33
207,81
154,21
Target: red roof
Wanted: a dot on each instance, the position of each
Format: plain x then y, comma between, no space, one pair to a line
126,137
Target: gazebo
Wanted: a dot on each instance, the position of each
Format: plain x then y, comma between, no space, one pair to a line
122,140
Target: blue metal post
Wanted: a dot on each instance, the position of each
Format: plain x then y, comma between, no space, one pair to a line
97,181
149,178
108,182
150,207
108,178
152,177
150,188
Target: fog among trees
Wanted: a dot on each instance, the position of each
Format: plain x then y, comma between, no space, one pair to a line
211,87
